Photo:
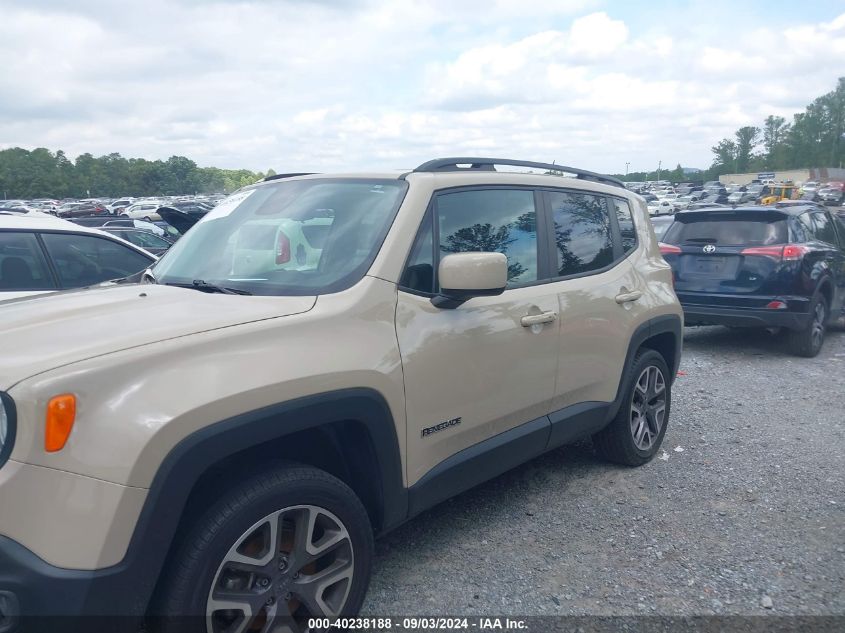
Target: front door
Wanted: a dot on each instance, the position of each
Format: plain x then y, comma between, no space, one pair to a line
483,368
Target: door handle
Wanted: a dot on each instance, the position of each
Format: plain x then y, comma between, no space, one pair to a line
626,297
538,319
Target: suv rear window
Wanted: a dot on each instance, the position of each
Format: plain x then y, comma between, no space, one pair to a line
728,230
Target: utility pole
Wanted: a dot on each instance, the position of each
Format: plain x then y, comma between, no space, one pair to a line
659,164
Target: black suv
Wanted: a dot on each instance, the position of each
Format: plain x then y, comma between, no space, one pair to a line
781,266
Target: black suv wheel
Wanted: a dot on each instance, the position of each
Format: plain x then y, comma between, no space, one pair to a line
808,342
634,436
284,546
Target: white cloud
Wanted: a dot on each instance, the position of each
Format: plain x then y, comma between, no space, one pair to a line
596,36
351,84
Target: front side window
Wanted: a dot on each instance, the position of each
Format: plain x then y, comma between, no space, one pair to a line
491,220
582,232
83,260
293,237
22,264
419,273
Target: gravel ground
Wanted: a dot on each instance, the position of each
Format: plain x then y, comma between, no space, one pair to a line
741,514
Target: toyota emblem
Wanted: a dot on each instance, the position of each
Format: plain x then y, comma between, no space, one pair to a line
709,249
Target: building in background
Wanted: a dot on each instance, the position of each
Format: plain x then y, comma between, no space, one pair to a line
798,176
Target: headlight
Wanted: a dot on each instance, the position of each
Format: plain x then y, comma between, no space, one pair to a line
7,427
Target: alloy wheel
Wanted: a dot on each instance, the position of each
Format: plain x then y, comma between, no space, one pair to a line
648,407
292,565
817,328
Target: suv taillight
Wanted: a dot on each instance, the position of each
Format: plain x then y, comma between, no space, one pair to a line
793,252
788,252
668,249
282,249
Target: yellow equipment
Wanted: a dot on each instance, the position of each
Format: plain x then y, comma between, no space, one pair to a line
778,192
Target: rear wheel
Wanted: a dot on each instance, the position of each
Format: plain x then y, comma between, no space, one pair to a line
634,436
808,342
287,545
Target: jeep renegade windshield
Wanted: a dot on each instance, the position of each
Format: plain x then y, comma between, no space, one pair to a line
295,237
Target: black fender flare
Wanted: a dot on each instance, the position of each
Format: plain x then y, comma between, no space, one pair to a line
668,323
126,588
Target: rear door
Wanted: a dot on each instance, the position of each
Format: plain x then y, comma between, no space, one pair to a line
728,257
834,254
23,267
599,293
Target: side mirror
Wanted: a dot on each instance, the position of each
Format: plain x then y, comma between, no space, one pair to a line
463,276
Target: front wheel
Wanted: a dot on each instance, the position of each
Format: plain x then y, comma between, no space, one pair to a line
287,545
634,436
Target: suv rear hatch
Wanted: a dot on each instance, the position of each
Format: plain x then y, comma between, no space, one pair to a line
727,254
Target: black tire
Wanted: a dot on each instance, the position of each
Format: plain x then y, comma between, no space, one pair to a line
616,441
188,576
808,342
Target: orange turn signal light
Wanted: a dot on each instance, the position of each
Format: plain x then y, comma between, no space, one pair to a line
61,413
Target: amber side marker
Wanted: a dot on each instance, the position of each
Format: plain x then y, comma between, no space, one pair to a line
61,413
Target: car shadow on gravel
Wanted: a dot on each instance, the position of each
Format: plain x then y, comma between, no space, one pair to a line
756,341
493,502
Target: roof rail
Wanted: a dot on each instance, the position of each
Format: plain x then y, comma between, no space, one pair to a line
488,164
280,176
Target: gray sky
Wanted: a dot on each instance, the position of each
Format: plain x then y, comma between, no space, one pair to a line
353,84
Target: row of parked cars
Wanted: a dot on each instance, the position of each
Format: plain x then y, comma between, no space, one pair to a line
779,266
668,199
323,320
47,246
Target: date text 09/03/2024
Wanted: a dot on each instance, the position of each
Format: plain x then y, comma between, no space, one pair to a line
418,624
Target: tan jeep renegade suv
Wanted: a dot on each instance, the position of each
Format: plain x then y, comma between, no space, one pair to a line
319,359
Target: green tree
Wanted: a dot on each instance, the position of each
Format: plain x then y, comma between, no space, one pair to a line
726,154
747,138
775,131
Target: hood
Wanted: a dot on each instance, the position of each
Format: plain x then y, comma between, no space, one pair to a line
38,334
8,295
180,220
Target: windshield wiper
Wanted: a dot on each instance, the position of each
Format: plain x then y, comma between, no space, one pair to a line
204,286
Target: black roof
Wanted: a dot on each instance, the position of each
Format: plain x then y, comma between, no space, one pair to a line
786,209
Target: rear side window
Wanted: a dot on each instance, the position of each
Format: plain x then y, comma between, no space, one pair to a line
626,225
83,260
728,231
840,228
824,228
22,263
582,232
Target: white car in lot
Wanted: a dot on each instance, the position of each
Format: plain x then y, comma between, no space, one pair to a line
663,207
740,197
143,211
41,254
